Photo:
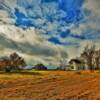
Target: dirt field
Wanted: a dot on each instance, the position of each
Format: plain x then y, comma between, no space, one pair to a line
50,85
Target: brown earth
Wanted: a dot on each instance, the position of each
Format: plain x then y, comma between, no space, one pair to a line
50,85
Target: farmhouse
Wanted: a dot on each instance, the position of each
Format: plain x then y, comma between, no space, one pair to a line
76,64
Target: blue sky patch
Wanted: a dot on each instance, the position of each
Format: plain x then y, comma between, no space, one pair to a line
54,40
21,19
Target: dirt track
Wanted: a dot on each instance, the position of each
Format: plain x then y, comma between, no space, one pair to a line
51,86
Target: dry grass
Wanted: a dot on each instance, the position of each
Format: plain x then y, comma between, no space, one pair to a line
50,85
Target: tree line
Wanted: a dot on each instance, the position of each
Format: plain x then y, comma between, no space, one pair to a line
89,59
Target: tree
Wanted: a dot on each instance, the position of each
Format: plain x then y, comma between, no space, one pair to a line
96,59
40,67
12,62
63,61
17,62
87,56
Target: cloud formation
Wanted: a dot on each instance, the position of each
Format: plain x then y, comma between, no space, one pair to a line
28,43
44,29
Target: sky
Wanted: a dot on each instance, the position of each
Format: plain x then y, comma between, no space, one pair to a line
44,31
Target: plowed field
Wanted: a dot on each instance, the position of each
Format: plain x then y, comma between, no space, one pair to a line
50,85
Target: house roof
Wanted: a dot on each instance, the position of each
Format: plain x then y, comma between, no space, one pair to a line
75,60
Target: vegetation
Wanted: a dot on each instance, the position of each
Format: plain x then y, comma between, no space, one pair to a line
17,62
13,62
91,57
40,67
62,61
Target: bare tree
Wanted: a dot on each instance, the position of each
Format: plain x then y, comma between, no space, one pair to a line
87,56
63,61
96,59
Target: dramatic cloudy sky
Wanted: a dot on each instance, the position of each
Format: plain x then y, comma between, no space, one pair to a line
45,30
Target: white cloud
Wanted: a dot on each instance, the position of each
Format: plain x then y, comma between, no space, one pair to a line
94,6
91,22
33,45
28,43
3,14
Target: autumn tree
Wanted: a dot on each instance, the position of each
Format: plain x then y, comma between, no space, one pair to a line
17,62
